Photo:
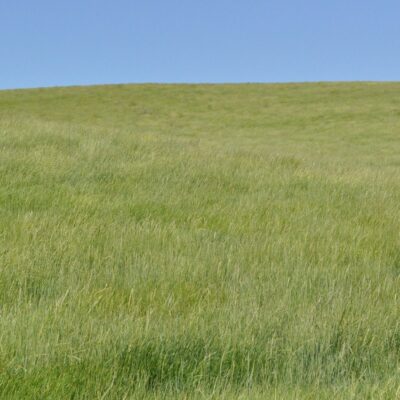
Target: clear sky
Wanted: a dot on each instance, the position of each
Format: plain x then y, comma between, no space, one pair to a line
76,42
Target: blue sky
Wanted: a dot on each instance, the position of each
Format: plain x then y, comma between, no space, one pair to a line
76,42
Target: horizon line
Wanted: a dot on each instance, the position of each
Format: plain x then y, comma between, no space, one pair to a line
196,83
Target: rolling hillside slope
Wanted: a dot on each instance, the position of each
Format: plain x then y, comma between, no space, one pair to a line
200,241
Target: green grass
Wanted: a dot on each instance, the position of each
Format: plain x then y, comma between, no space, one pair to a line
200,242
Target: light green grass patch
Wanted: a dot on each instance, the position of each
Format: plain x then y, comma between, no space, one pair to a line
200,242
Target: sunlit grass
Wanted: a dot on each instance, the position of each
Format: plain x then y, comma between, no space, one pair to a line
230,242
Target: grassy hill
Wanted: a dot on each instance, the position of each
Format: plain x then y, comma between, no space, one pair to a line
200,242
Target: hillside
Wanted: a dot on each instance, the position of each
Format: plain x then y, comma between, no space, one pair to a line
200,241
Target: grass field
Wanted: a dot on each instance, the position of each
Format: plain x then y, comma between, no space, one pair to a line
200,242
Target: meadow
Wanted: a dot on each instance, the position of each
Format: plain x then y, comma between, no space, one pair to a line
200,242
